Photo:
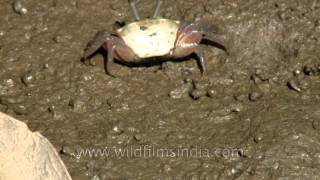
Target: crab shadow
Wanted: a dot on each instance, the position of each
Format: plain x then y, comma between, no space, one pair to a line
153,61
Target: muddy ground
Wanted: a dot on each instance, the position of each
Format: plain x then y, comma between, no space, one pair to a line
261,101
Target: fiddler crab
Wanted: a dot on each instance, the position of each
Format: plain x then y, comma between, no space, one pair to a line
151,39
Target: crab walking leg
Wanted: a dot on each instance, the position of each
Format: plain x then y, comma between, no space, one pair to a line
110,61
200,60
99,39
157,10
134,9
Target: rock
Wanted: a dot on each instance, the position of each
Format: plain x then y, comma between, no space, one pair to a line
78,105
211,92
201,85
312,69
28,79
259,76
240,97
68,151
255,95
196,94
20,109
19,8
27,155
294,84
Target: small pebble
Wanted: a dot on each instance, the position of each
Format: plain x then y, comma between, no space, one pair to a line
187,80
258,138
297,72
27,79
179,92
46,66
78,105
211,92
240,97
117,129
58,115
276,166
9,83
316,124
196,94
295,137
259,155
237,169
68,151
27,35
57,39
51,108
9,100
20,110
167,168
95,177
236,107
123,138
255,95
138,137
265,87
19,8
304,84
294,85
200,85
312,69
259,76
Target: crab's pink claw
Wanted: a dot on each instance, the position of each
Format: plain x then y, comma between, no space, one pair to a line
121,51
98,40
188,40
117,49
189,37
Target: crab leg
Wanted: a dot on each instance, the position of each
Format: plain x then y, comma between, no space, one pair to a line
200,60
134,9
110,60
157,10
100,38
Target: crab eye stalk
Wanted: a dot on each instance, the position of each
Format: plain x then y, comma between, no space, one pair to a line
134,9
157,10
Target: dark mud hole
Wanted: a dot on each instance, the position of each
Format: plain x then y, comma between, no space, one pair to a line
263,99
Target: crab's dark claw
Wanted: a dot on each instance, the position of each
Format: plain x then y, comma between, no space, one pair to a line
216,40
212,36
114,45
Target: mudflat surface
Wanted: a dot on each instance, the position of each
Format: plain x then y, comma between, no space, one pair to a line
254,115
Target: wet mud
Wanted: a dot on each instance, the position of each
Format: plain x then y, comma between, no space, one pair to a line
260,102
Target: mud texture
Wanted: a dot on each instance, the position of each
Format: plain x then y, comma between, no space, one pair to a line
263,99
